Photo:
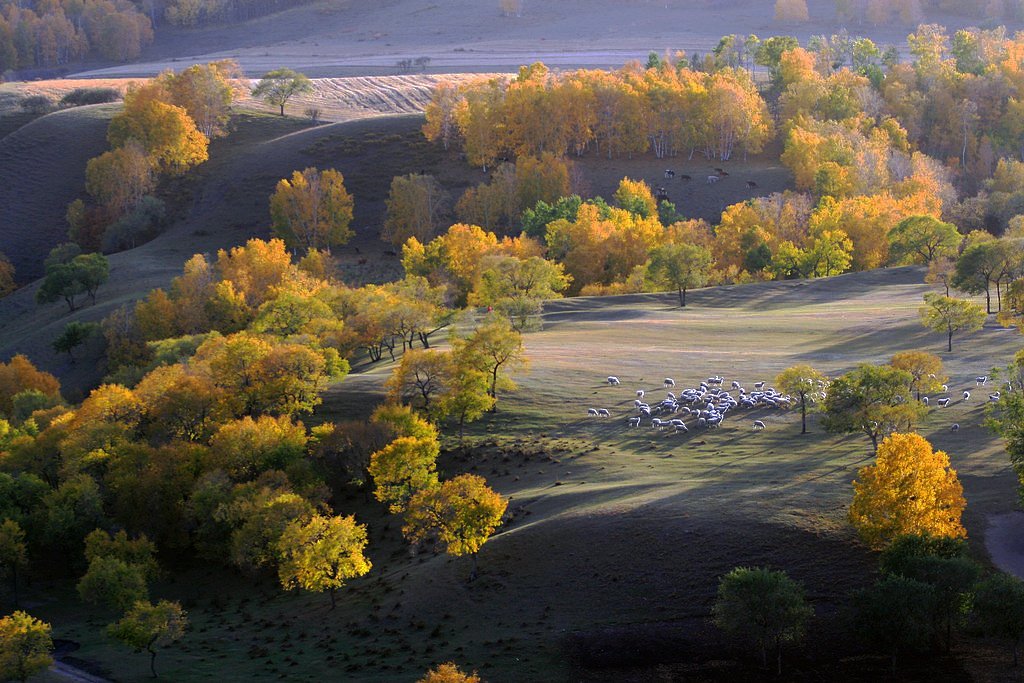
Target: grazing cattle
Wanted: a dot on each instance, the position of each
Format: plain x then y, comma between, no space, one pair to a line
751,184
758,425
712,179
669,173
685,178
661,195
723,174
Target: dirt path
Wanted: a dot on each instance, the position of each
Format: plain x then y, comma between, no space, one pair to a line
70,673
1004,540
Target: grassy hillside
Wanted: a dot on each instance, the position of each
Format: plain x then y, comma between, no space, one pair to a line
608,568
42,169
347,37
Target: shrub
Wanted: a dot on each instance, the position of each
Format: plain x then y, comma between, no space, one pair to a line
141,224
37,104
83,96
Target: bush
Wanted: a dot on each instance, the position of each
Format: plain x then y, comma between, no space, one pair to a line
141,224
82,96
37,104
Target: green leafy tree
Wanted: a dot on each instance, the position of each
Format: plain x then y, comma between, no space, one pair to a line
894,615
114,583
517,288
976,269
680,266
764,606
25,647
805,382
999,609
947,315
465,398
494,348
147,627
1007,419
952,579
871,399
280,85
75,334
907,548
462,513
13,552
82,275
922,239
322,554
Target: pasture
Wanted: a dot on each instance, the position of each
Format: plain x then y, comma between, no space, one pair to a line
609,565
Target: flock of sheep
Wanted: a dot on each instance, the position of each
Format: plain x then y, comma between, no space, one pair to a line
709,403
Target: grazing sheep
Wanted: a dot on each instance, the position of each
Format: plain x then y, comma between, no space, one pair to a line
669,382
712,179
736,385
702,422
601,412
981,380
955,428
943,402
639,393
671,396
994,397
634,422
657,424
759,385
758,425
945,388
967,395
924,400
592,412
751,184
681,427
669,173
613,381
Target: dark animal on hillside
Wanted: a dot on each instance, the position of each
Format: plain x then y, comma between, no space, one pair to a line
669,173
685,177
751,184
362,262
389,252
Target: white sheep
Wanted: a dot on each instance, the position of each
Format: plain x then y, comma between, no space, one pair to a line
981,380
639,393
759,385
656,423
758,425
592,412
967,395
945,388
601,412
613,380
924,400
943,402
669,382
634,422
994,397
955,428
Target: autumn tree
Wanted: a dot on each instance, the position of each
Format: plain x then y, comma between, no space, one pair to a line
805,382
322,554
147,627
496,349
540,178
922,239
420,378
925,370
911,489
312,210
280,85
25,646
947,315
871,399
118,179
7,282
440,114
415,205
466,398
18,375
113,583
764,606
167,133
404,467
680,266
449,672
461,514
206,92
13,552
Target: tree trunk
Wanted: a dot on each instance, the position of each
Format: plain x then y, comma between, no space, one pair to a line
682,299
334,599
14,583
803,414
152,659
988,298
778,659
476,569
949,341
282,109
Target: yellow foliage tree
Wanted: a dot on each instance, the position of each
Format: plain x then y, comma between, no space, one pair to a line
449,672
791,10
322,554
911,489
312,210
166,132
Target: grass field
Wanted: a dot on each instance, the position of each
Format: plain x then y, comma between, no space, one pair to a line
608,568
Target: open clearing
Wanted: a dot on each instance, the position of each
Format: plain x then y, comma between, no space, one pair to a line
609,567
351,37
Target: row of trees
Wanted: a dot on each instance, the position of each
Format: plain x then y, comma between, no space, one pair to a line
48,34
